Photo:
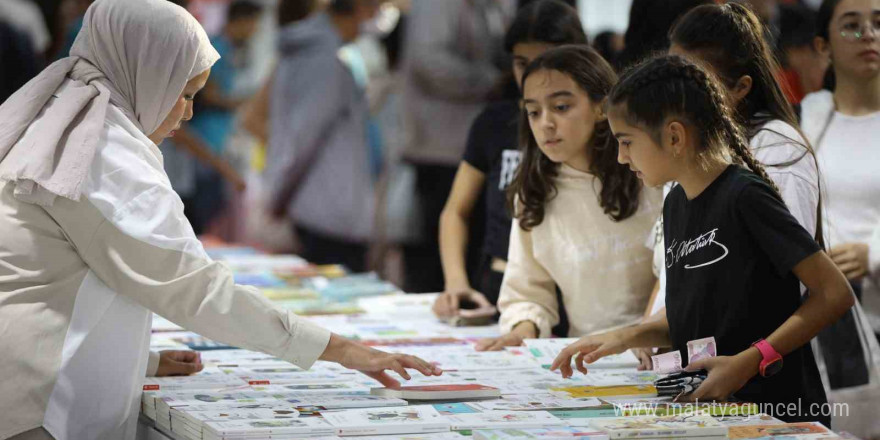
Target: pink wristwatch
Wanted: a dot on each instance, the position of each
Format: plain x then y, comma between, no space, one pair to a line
772,362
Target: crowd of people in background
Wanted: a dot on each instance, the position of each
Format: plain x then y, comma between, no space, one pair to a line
491,151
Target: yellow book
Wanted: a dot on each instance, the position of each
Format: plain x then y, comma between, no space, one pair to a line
594,391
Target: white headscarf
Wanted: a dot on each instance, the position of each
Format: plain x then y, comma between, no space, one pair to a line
135,54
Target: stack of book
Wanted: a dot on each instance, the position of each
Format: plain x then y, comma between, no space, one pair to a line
385,421
662,427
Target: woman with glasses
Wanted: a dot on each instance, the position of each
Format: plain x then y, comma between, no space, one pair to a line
843,124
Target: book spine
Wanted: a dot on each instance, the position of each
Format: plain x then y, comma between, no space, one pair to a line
667,433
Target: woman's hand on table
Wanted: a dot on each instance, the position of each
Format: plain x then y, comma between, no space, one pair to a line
179,363
375,363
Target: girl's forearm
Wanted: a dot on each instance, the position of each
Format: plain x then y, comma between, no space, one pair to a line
652,333
453,243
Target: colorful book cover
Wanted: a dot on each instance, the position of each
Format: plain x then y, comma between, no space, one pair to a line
538,403
386,421
504,420
784,431
546,350
560,433
304,426
594,391
661,427
448,409
439,392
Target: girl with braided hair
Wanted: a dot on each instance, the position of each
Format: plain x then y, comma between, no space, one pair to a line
581,219
728,40
734,253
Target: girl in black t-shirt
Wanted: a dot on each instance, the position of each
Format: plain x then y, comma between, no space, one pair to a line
734,254
490,160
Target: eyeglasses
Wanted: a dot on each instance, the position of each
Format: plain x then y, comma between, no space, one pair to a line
855,30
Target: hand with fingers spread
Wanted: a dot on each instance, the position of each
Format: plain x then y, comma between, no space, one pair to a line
589,349
851,259
449,304
375,363
521,331
179,363
644,357
727,375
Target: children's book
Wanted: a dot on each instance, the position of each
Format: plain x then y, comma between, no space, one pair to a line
788,431
752,420
299,427
386,421
546,350
439,392
431,436
661,427
327,402
560,433
537,403
208,379
198,417
614,391
504,420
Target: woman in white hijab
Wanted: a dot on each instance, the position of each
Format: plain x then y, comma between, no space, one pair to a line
94,237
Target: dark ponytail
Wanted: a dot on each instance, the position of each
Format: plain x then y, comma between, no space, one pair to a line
731,38
672,86
823,25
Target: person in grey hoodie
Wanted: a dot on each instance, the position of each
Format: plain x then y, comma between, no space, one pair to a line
318,156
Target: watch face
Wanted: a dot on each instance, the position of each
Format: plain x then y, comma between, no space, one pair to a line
772,368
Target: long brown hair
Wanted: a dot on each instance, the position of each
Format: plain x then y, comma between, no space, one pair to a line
534,183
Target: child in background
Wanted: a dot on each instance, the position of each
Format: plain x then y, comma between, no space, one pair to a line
582,219
734,254
491,158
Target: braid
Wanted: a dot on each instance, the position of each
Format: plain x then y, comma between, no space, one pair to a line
711,114
736,140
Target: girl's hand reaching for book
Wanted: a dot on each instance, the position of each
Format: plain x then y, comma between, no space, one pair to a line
589,349
727,375
644,357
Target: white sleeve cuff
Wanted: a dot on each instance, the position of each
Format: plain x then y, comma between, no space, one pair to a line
308,343
153,364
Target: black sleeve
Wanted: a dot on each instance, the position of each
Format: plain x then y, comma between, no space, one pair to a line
773,227
476,152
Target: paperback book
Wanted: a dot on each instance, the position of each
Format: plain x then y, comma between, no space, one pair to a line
661,427
504,420
269,428
546,350
788,431
439,392
560,433
386,421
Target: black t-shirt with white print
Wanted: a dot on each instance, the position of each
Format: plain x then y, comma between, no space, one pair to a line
492,149
729,256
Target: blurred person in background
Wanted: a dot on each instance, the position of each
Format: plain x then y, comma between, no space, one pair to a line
318,163
71,17
609,44
26,17
453,58
215,116
803,66
17,56
649,25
